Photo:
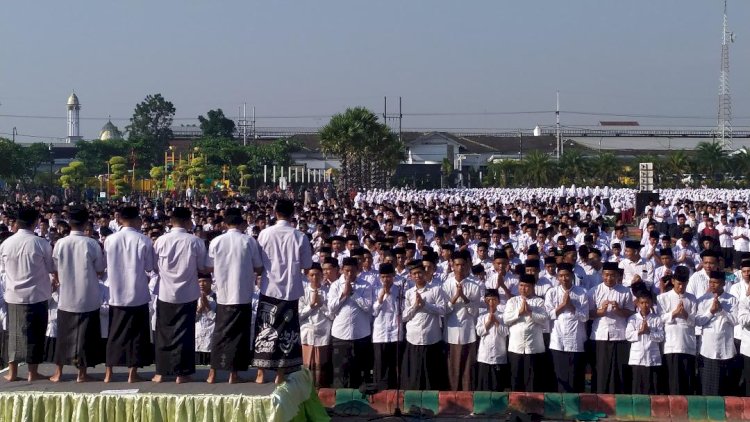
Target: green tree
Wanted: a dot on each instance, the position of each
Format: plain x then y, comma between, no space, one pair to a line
538,169
710,159
675,165
216,125
503,173
363,145
96,154
573,168
607,169
150,129
73,176
119,175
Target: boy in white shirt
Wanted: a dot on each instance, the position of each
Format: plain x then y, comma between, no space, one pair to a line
492,356
204,320
315,327
526,318
645,331
387,332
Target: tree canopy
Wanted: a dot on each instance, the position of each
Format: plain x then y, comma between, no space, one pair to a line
216,125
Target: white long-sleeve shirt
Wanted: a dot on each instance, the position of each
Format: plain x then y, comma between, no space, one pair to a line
739,290
610,327
315,324
423,324
204,327
525,330
461,317
644,348
492,348
569,328
352,315
743,320
130,256
718,329
386,326
679,333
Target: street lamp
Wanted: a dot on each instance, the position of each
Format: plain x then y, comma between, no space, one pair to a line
51,161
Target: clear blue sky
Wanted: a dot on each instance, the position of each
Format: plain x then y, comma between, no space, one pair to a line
315,58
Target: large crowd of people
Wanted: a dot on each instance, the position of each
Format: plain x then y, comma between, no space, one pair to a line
473,289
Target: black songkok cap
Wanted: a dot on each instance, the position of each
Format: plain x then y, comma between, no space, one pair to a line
129,213
78,215
349,261
564,266
181,213
527,278
610,266
387,269
477,269
718,275
492,293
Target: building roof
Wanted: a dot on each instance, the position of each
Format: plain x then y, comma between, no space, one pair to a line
110,132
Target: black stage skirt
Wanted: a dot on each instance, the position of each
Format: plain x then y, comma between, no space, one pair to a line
386,359
79,339
424,367
230,342
3,348
491,377
27,326
612,369
175,338
569,367
680,370
129,341
645,379
277,338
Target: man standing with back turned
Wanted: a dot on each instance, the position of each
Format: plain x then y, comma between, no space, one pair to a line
285,252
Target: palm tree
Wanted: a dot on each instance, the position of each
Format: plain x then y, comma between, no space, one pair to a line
572,166
710,159
538,168
364,146
606,169
675,165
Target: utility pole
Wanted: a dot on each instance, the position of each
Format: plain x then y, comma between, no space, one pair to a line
557,127
15,132
393,117
724,121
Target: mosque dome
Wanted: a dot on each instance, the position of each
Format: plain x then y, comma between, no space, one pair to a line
73,100
110,132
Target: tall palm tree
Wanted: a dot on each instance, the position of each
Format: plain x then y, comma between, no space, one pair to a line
675,165
573,166
710,159
605,169
538,168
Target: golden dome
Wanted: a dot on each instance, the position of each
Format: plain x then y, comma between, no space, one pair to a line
110,132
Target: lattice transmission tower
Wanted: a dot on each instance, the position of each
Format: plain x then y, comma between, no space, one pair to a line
724,125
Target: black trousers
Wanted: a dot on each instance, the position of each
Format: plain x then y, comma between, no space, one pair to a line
680,370
569,370
523,372
612,369
645,379
352,362
387,356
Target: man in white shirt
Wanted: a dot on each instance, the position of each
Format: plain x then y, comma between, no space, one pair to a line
26,261
526,318
286,253
350,303
130,256
463,297
636,270
234,258
568,309
387,330
717,316
424,366
744,323
315,327
678,309
179,257
610,304
79,263
726,242
741,240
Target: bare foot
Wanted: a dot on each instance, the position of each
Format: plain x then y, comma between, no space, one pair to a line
183,379
157,378
10,378
211,376
280,379
36,376
259,379
108,375
87,378
56,378
235,379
